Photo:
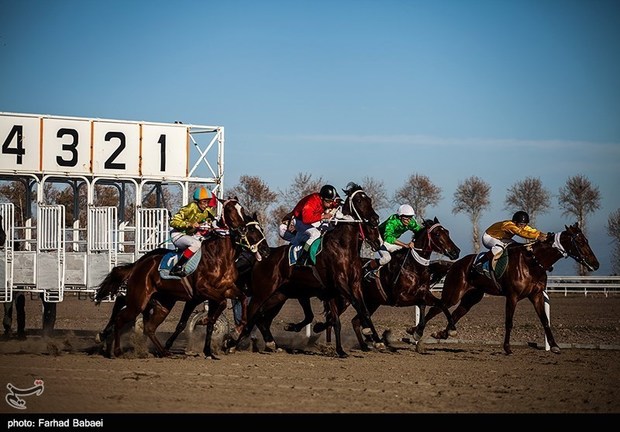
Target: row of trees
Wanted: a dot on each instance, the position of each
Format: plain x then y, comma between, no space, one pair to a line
577,198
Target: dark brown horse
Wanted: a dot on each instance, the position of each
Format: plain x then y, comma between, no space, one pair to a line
337,272
525,276
404,281
213,280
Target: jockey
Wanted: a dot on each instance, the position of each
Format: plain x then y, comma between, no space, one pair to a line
312,211
391,230
500,234
186,224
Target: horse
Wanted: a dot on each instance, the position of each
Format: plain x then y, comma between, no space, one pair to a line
243,262
337,272
525,276
212,281
406,280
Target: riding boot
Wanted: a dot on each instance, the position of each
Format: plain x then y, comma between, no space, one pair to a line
178,269
304,256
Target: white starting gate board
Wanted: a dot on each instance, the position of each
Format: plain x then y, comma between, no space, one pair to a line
42,149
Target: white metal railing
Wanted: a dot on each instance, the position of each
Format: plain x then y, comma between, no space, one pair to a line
586,285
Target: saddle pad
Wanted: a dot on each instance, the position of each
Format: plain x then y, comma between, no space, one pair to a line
171,258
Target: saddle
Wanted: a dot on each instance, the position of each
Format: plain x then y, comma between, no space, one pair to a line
171,258
307,259
482,265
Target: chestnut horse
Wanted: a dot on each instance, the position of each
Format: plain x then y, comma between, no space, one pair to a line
212,281
337,272
525,276
404,281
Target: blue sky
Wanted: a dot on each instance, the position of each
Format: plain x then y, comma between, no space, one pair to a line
500,89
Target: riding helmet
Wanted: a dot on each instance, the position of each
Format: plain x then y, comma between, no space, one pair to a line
406,210
329,192
521,217
202,193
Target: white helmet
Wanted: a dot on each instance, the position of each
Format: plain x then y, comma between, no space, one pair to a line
406,210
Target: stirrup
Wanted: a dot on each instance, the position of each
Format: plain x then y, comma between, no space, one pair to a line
180,272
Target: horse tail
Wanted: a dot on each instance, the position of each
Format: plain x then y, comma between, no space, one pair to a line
112,283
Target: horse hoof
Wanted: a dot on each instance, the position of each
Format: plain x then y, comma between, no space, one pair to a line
452,333
380,346
98,338
555,349
343,354
420,348
231,350
270,346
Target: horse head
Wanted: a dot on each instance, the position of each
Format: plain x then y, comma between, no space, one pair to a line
573,242
436,238
359,206
246,230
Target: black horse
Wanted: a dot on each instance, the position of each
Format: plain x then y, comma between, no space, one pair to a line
337,272
405,281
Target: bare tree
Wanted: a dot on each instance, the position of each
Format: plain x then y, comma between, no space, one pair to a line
472,197
15,192
419,192
530,196
254,195
375,189
613,229
303,184
578,197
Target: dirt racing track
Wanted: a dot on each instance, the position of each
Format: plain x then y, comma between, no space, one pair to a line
469,374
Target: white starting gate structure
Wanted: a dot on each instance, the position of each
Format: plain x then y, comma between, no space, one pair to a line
48,255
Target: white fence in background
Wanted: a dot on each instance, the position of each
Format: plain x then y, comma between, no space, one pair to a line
585,285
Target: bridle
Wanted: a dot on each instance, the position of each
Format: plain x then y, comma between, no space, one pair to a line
241,232
557,243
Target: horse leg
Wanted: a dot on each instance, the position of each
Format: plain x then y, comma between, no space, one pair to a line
334,320
119,303
125,316
308,317
470,298
511,303
437,304
157,314
356,322
266,314
362,312
212,315
538,300
187,311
